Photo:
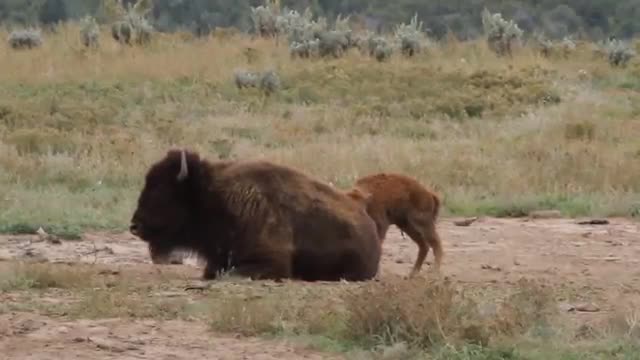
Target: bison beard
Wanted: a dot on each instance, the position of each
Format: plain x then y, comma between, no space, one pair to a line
267,221
395,199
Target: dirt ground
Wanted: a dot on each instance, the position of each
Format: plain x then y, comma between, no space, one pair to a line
599,262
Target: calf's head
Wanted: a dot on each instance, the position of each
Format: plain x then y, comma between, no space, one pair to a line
162,216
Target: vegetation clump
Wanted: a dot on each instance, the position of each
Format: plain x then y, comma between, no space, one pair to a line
501,34
618,52
25,39
410,36
268,81
379,48
264,18
132,26
548,48
89,32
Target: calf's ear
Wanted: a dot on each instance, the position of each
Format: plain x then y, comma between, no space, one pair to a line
184,169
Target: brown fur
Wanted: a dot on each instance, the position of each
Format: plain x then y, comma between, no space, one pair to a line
395,199
265,220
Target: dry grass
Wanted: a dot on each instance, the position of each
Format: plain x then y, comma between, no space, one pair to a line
391,319
78,128
25,276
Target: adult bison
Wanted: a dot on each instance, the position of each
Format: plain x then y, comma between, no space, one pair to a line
266,221
396,199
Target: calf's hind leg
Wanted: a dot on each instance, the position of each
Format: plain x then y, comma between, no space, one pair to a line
421,229
423,248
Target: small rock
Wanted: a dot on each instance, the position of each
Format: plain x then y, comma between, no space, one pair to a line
109,272
594,222
613,242
465,222
516,262
196,287
587,307
399,261
545,214
491,267
612,258
79,340
566,307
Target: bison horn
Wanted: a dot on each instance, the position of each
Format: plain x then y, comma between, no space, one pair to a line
184,171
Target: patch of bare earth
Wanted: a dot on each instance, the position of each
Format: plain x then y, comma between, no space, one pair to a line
594,263
33,337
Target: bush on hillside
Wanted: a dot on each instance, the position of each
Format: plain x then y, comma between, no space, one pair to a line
501,34
89,32
25,39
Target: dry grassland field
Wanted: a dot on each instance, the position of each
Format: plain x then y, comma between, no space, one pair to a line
532,146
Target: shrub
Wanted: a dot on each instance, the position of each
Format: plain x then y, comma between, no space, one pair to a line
501,34
132,26
379,48
549,48
268,81
264,18
25,39
410,36
245,79
305,49
121,32
89,32
333,43
618,52
424,314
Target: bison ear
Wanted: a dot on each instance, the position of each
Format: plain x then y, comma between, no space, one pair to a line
360,195
366,196
184,170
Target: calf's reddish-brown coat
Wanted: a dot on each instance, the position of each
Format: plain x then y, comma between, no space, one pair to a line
396,199
266,221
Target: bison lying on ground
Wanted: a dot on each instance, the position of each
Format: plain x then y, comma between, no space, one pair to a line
395,199
265,220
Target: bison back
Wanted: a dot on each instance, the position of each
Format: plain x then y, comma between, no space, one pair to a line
331,235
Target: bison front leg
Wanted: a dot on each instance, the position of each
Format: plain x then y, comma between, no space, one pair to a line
269,269
217,262
357,267
212,270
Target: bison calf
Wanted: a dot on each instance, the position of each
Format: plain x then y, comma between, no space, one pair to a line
395,199
266,221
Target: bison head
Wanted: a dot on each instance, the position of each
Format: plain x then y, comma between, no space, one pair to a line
165,205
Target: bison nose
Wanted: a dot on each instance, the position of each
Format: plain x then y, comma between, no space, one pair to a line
134,228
